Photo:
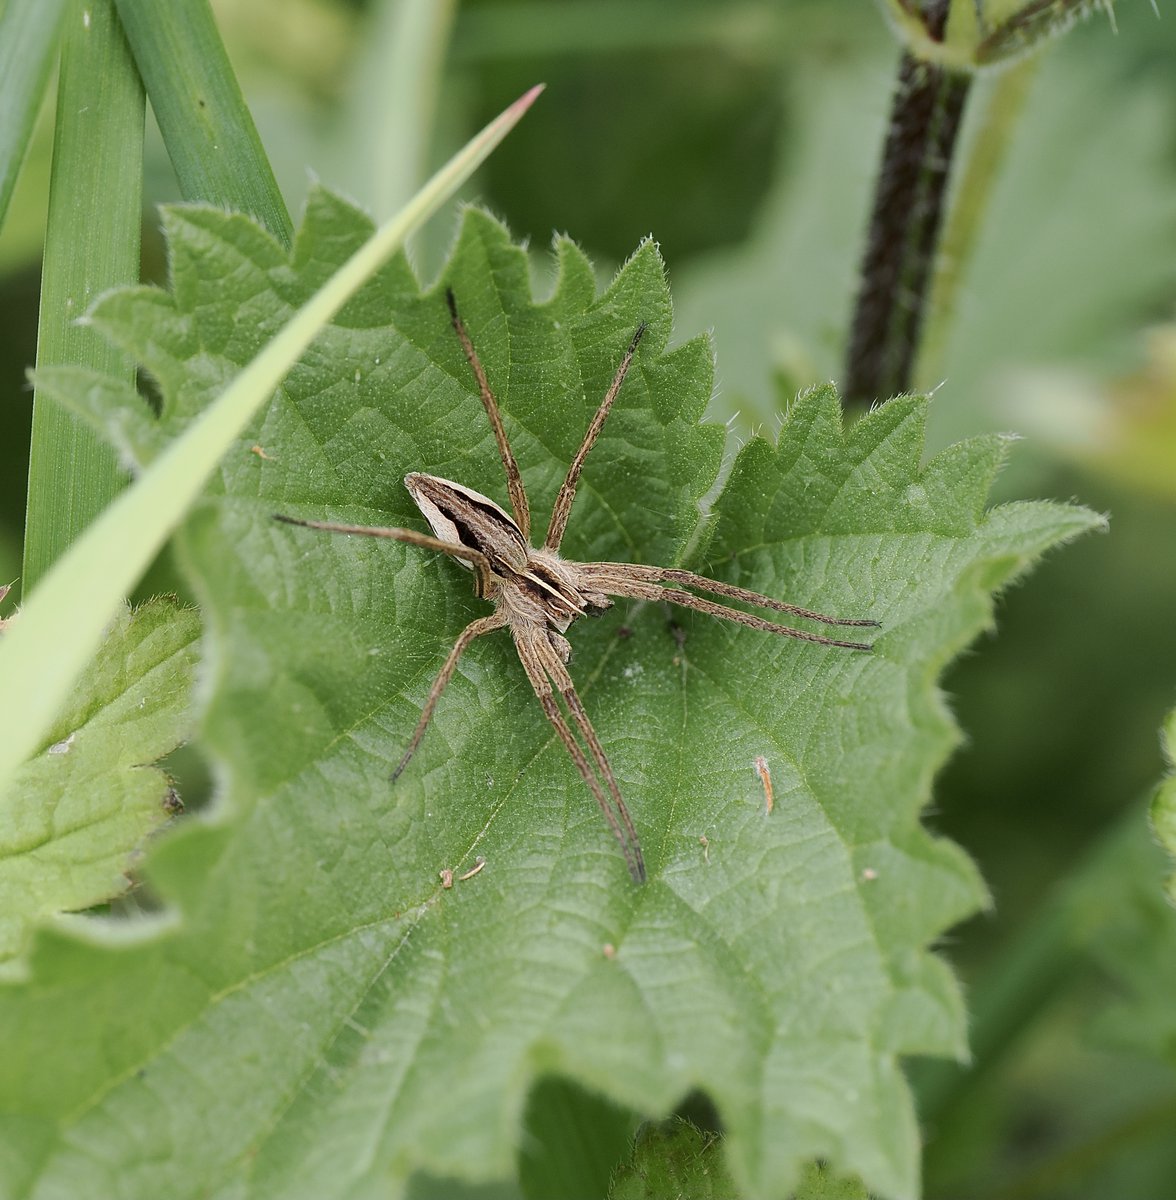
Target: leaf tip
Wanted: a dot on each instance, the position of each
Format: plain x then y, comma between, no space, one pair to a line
528,98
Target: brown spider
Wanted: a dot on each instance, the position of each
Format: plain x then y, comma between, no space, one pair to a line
537,594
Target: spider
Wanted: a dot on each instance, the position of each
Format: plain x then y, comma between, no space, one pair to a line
537,594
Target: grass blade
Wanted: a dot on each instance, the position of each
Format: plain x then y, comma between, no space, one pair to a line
206,126
28,38
91,244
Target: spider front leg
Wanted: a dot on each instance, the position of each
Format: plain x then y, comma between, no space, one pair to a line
475,629
410,537
567,493
514,478
638,582
544,666
729,590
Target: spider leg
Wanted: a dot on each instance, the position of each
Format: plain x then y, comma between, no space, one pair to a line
514,479
540,660
473,630
647,574
411,537
567,493
620,583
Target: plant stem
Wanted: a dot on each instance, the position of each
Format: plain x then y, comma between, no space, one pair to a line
91,244
904,227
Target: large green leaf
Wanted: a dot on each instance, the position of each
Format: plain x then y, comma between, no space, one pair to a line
328,1018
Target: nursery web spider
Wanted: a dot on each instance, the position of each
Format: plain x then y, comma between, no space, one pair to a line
537,594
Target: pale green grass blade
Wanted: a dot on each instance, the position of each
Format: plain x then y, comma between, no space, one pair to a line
28,38
197,102
42,655
91,244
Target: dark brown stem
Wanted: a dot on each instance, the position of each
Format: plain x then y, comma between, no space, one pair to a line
904,228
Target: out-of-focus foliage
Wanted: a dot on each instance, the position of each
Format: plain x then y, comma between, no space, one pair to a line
1164,807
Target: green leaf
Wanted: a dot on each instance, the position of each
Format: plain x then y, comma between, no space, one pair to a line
1163,813
328,1017
82,808
674,1160
1108,918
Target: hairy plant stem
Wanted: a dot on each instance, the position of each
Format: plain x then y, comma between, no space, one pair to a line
904,227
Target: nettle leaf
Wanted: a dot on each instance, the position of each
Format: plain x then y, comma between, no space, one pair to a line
674,1159
328,1018
80,810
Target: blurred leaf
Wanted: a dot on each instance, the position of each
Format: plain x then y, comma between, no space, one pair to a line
82,808
328,1017
29,36
1080,994
679,143
1124,429
786,292
1164,806
1138,951
1052,279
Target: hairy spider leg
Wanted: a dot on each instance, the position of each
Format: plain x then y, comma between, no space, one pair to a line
616,579
514,478
567,493
475,629
544,666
